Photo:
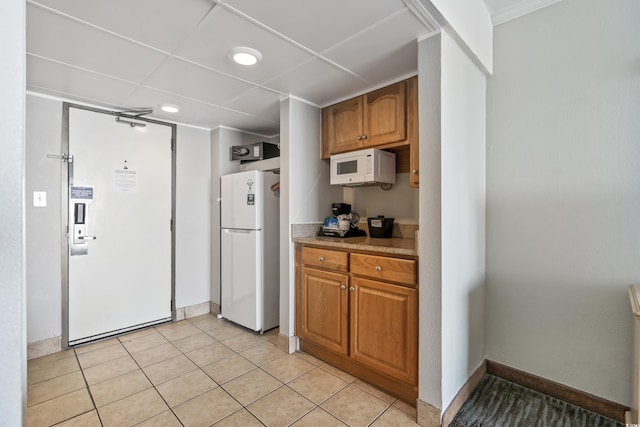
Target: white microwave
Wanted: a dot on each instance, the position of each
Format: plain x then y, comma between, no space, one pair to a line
363,167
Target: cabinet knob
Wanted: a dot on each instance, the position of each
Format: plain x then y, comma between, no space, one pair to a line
343,287
352,289
414,171
378,268
365,137
321,258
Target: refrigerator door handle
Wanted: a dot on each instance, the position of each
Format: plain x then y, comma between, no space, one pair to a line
237,230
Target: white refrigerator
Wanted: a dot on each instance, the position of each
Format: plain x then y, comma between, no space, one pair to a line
249,249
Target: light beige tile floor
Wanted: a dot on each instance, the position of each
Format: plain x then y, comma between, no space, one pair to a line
201,371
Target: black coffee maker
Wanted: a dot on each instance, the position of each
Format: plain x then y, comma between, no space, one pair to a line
342,223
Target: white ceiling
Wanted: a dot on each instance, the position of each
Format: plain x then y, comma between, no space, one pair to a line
124,54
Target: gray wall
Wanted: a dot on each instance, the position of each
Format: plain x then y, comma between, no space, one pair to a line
44,230
305,193
463,217
193,217
13,392
44,226
564,194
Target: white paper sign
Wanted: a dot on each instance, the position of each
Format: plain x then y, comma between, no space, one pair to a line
125,179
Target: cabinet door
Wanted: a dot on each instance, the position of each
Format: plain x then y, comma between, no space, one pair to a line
384,331
324,309
343,126
385,115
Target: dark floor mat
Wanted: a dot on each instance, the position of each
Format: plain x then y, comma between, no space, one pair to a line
500,403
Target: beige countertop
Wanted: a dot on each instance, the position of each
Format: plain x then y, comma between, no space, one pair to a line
393,245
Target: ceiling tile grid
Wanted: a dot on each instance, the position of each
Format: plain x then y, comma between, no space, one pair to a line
124,54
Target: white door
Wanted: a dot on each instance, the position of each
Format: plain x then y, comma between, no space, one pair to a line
241,200
120,238
241,277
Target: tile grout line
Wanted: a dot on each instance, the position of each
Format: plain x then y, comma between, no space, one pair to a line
86,383
201,329
149,379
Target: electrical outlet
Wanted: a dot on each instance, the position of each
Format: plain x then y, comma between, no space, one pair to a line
39,199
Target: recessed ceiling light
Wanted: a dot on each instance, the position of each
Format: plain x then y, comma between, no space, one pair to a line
169,108
245,55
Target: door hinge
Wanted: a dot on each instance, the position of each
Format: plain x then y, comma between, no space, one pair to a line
171,225
173,144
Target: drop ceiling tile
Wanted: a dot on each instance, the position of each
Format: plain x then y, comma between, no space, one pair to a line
190,110
318,24
222,30
258,102
192,81
161,24
385,51
44,75
318,82
221,117
74,43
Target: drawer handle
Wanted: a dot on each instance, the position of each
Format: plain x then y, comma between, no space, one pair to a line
321,258
343,287
378,268
352,289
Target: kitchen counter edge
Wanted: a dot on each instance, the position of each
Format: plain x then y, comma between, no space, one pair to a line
393,246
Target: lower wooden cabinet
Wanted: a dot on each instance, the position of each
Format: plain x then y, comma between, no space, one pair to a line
323,317
384,330
357,319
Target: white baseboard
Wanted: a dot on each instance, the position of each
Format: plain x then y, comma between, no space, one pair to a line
44,347
193,310
288,344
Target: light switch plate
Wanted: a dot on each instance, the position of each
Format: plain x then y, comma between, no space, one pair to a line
39,199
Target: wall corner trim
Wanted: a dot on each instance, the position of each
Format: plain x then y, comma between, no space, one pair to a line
464,393
428,416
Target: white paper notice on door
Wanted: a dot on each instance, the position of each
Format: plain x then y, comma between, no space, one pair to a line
125,178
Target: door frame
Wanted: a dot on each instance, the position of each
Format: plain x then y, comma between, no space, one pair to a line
65,210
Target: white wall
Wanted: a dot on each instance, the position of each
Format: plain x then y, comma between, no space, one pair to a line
563,181
44,229
193,216
13,357
463,217
401,202
305,193
470,21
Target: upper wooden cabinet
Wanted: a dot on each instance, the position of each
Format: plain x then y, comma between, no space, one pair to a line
386,118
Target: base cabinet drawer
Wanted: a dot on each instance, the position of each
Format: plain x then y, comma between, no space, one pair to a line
325,258
384,268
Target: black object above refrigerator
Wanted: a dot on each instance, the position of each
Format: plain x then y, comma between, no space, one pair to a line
252,152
